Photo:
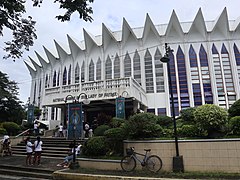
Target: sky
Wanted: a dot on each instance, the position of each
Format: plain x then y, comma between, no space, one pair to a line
109,12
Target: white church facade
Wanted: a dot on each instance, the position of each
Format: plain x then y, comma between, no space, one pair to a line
204,68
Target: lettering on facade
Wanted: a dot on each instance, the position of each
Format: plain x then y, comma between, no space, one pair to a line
90,96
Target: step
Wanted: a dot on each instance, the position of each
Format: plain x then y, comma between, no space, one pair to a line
25,171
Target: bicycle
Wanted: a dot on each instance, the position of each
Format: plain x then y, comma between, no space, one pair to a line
129,162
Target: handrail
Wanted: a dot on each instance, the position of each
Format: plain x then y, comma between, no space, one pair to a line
22,133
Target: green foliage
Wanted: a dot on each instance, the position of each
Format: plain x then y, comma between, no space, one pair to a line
3,131
11,128
115,133
234,123
23,29
99,131
164,121
143,125
188,114
234,110
96,146
37,112
117,122
190,131
210,117
10,105
103,118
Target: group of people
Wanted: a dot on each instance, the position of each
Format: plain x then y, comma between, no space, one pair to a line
35,148
6,145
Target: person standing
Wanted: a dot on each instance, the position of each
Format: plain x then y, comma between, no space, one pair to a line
29,150
35,128
38,151
60,130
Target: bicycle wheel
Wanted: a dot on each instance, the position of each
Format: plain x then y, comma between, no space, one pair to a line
128,163
154,163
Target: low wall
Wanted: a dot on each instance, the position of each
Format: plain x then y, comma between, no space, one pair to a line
211,155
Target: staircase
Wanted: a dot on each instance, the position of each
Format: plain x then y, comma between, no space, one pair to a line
52,147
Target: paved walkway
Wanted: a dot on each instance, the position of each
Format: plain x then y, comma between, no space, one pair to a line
46,163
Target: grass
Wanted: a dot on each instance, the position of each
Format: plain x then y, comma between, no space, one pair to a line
145,173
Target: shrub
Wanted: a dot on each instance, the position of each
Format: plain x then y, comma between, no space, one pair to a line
234,110
234,124
99,131
164,121
190,131
188,114
115,133
3,131
117,122
211,118
95,146
143,125
11,128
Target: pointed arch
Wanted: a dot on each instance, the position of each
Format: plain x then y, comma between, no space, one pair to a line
46,81
108,68
91,71
237,54
58,78
196,87
116,66
148,72
127,66
182,77
64,79
214,49
69,74
137,67
224,49
77,73
83,72
99,69
34,93
54,78
159,71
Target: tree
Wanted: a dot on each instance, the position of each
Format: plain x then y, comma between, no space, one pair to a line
234,110
188,114
210,117
10,105
23,29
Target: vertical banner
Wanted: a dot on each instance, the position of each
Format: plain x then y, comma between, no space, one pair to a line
75,122
120,107
30,114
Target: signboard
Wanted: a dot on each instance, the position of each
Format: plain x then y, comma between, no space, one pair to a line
75,121
30,114
120,107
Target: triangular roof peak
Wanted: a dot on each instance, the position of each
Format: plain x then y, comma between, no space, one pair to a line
127,31
221,25
35,64
32,71
61,52
89,41
107,36
174,30
51,58
43,62
149,28
74,47
198,27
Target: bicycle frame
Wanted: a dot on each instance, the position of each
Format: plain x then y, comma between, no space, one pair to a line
145,156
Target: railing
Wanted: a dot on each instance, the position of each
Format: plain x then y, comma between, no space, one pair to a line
22,133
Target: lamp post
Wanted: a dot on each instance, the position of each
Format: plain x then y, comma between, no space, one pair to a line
74,164
177,160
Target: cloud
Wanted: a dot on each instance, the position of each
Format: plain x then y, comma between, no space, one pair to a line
111,13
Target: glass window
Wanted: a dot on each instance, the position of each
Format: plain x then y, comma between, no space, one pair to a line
54,78
137,67
108,68
98,70
148,72
237,54
159,71
161,111
91,71
83,72
65,76
77,73
69,74
117,67
127,66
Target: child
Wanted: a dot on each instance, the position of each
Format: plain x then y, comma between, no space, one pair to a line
38,151
29,150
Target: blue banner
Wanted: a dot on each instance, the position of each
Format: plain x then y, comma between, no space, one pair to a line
75,121
120,107
30,114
